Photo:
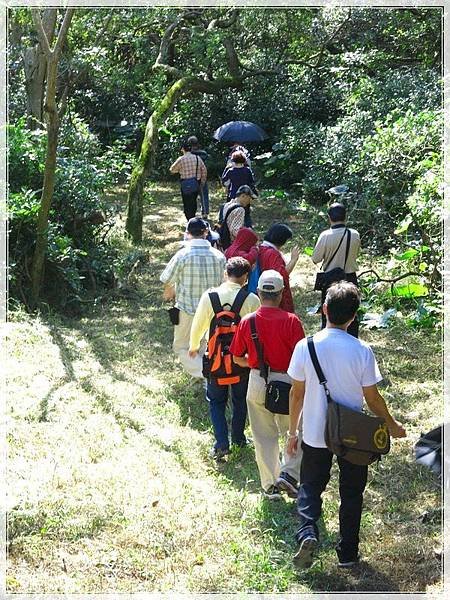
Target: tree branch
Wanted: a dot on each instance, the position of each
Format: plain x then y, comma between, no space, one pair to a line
225,23
319,55
42,36
63,31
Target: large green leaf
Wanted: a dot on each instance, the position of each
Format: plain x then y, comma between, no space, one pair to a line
410,290
410,253
308,251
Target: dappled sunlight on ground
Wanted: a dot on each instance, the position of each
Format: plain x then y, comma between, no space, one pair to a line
111,484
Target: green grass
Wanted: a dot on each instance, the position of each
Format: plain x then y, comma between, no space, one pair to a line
110,483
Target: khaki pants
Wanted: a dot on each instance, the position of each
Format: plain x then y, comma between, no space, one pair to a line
180,346
267,429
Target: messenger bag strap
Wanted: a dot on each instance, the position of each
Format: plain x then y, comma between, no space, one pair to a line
196,166
263,369
318,368
337,249
347,250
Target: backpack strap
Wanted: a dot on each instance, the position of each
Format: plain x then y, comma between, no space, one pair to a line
263,368
215,302
317,367
229,211
241,297
337,249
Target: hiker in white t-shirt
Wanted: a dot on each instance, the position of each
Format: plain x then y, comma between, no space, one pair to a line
352,374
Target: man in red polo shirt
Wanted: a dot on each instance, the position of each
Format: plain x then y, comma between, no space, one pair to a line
278,332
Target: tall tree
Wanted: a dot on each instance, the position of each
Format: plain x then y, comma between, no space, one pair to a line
185,83
52,116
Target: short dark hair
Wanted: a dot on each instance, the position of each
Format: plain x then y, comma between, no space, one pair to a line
197,226
278,234
192,140
343,299
337,212
269,295
239,158
237,266
186,146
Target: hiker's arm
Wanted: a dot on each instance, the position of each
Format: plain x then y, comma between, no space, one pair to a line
319,251
175,168
200,324
296,397
377,405
168,291
295,255
203,172
241,360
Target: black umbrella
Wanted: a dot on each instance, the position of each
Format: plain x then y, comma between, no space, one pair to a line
240,131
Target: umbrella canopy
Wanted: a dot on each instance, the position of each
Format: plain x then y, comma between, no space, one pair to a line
240,131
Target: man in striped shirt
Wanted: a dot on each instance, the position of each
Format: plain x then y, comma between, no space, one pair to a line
189,166
192,270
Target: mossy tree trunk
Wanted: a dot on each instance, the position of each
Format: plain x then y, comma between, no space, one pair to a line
147,155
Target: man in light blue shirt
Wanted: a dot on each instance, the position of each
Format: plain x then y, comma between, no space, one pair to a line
192,270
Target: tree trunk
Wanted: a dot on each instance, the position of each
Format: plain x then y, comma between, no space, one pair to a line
147,157
53,120
150,143
35,67
49,182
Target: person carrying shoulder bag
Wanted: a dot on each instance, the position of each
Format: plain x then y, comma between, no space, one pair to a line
337,248
335,369
278,331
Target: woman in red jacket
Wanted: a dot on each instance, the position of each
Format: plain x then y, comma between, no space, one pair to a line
270,257
244,245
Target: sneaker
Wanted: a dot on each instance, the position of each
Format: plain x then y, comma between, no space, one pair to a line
303,559
288,484
219,454
348,564
272,493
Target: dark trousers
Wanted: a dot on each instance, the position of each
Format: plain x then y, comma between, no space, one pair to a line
353,328
189,204
314,476
217,396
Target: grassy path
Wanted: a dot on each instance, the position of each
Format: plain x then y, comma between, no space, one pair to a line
110,484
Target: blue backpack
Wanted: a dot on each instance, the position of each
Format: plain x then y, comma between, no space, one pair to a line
254,277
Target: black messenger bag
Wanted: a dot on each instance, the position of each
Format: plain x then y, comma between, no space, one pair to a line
277,390
325,278
359,438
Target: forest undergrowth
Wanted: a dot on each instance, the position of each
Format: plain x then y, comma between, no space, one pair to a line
110,486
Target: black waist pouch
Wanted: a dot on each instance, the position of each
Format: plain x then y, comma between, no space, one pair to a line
174,315
277,397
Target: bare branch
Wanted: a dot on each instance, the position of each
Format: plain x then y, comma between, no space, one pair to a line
42,36
224,23
63,31
234,66
162,60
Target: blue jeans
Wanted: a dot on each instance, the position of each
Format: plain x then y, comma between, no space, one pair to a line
217,396
204,199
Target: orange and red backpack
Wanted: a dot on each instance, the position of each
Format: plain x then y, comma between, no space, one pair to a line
218,362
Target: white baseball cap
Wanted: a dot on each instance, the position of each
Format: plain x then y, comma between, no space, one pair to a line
270,281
